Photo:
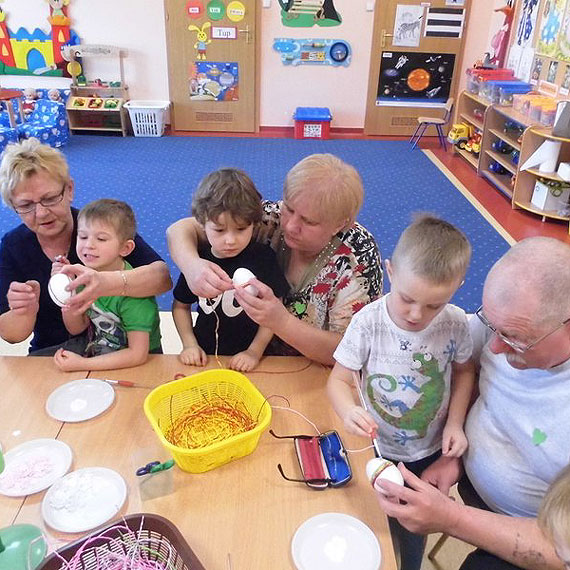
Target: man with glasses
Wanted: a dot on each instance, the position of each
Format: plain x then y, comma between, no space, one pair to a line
519,426
35,183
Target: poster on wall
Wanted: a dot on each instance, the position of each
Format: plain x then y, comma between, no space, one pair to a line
407,25
214,81
444,22
536,70
307,13
525,67
527,23
565,86
414,77
514,58
550,24
563,51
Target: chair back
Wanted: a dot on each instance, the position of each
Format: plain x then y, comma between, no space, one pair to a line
448,109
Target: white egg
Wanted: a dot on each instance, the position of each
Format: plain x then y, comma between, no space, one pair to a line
241,276
57,288
377,469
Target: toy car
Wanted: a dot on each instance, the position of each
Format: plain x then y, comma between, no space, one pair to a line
460,132
473,144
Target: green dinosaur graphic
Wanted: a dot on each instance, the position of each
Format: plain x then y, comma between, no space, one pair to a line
425,409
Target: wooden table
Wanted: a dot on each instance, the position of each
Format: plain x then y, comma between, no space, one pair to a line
244,508
7,95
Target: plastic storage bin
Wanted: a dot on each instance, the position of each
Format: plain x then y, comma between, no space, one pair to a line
168,402
312,122
167,544
147,117
507,92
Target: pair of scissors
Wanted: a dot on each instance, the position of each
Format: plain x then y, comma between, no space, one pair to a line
155,467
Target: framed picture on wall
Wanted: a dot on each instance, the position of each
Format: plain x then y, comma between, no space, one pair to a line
414,77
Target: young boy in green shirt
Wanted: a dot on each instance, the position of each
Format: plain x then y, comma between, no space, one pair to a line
122,330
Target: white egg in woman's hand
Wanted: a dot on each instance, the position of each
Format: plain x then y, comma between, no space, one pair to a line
379,469
241,276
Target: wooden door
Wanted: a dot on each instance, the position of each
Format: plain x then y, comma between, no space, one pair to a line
406,80
212,64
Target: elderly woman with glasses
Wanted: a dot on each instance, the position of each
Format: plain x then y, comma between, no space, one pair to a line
518,428
35,183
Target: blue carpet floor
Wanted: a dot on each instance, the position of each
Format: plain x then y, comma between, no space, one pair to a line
158,175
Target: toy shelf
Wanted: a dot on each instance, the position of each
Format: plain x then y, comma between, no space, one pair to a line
533,137
468,156
470,109
102,109
496,120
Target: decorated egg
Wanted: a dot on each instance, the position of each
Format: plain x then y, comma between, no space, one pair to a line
378,468
57,288
241,276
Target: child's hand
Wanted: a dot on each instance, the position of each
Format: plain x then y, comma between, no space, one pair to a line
454,443
69,361
193,356
359,422
244,361
59,262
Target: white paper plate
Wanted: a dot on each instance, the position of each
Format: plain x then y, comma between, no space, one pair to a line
80,400
335,541
84,499
33,466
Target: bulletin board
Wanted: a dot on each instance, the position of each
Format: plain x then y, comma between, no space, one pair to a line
540,45
416,62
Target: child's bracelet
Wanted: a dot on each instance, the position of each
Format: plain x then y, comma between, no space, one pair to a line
125,283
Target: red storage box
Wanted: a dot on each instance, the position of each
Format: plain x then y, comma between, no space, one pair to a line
312,122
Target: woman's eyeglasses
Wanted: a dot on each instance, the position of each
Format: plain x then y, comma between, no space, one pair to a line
46,202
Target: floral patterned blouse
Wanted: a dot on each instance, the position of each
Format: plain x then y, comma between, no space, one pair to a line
345,277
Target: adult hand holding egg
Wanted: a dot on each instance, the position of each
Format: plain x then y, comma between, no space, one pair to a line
264,308
419,507
95,284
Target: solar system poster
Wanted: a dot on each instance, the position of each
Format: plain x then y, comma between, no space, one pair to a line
414,77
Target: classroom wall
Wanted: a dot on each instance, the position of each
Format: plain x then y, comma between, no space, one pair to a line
138,26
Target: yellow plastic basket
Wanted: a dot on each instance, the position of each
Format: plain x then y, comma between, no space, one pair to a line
165,404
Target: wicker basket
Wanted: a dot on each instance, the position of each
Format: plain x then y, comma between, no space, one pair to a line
168,402
153,527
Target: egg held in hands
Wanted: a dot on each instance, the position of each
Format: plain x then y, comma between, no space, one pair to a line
379,469
241,276
57,288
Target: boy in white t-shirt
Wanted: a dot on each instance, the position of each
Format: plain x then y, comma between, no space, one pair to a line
411,353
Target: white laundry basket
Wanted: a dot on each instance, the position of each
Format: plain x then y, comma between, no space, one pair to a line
147,117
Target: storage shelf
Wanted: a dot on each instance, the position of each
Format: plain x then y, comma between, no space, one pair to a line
501,181
469,156
513,115
86,118
548,175
506,138
500,158
87,128
476,98
473,120
520,189
544,213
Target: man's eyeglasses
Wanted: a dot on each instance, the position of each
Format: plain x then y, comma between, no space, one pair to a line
516,346
46,202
